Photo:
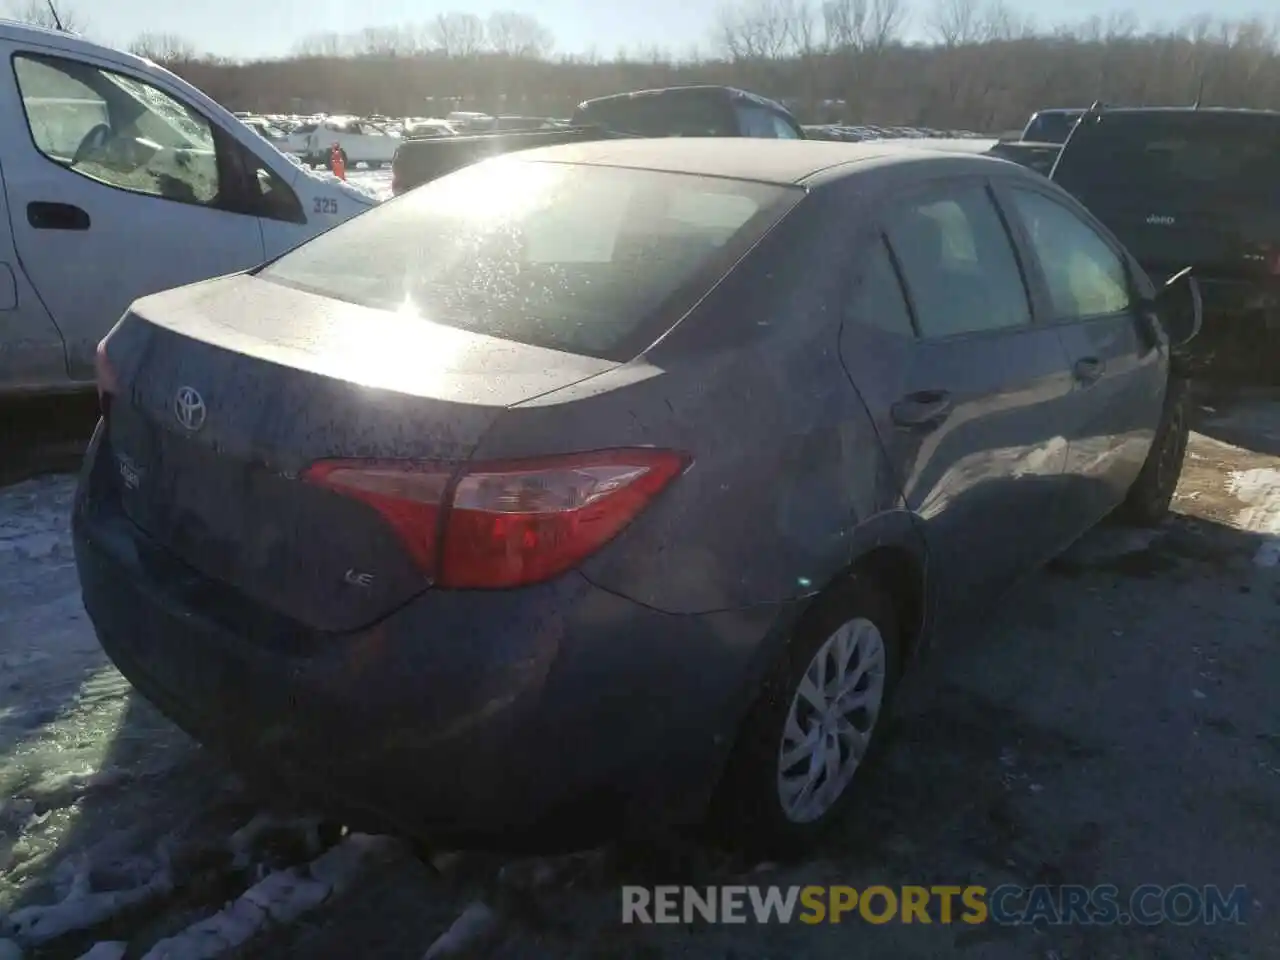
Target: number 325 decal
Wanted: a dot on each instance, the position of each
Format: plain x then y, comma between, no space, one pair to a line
325,205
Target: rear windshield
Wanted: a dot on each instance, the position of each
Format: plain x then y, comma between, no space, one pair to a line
692,114
1049,127
590,260
1224,154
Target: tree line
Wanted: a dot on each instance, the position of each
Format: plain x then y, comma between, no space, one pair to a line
984,66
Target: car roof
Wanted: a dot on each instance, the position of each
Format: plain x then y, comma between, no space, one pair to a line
710,90
783,162
15,30
1190,111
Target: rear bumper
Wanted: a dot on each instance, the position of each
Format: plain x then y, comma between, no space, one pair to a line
538,717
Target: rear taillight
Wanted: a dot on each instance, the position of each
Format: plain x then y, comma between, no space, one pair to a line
105,375
505,524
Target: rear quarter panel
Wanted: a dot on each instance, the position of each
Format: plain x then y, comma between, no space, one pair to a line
787,467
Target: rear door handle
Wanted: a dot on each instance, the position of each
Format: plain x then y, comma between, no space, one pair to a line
46,215
1088,369
925,408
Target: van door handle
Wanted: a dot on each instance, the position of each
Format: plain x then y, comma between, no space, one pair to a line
925,408
45,215
1088,369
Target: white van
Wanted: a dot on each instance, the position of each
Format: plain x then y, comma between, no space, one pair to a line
120,180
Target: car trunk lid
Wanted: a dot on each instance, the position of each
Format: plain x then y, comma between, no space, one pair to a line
226,392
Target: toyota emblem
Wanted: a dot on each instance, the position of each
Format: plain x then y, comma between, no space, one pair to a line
189,408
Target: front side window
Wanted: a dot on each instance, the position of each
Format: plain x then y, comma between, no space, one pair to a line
583,259
958,263
117,130
1086,277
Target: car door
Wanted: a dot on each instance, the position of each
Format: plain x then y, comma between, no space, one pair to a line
1118,364
970,401
32,356
121,191
377,144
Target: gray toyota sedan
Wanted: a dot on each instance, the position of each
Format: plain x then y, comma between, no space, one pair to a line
615,484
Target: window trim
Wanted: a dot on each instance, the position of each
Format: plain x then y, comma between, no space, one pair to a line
1005,192
943,189
224,180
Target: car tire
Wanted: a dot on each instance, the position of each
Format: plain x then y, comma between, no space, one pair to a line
750,811
1148,500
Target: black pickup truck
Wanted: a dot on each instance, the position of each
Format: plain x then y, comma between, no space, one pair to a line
690,111
1193,186
1190,186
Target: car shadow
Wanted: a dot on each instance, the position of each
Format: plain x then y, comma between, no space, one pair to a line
1241,416
1055,744
150,823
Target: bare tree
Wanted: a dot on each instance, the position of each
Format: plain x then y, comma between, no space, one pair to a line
320,45
953,23
458,34
41,14
762,29
385,42
517,35
851,25
163,48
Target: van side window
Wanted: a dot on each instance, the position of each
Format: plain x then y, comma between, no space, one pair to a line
270,196
958,263
117,130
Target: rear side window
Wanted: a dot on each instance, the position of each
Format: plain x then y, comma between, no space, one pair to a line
877,299
1086,277
958,264
586,259
755,121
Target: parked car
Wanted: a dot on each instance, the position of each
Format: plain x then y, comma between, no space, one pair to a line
429,127
358,141
691,111
617,482
1191,186
121,180
266,130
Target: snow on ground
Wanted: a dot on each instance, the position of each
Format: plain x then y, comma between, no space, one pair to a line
111,812
378,182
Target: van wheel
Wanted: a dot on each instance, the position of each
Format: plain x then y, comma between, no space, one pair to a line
817,722
1147,502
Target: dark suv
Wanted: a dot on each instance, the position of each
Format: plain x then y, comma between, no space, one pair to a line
1188,186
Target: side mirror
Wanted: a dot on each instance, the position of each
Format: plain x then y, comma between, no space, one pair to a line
1180,307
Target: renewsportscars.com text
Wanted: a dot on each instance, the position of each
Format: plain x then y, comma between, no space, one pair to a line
1007,905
